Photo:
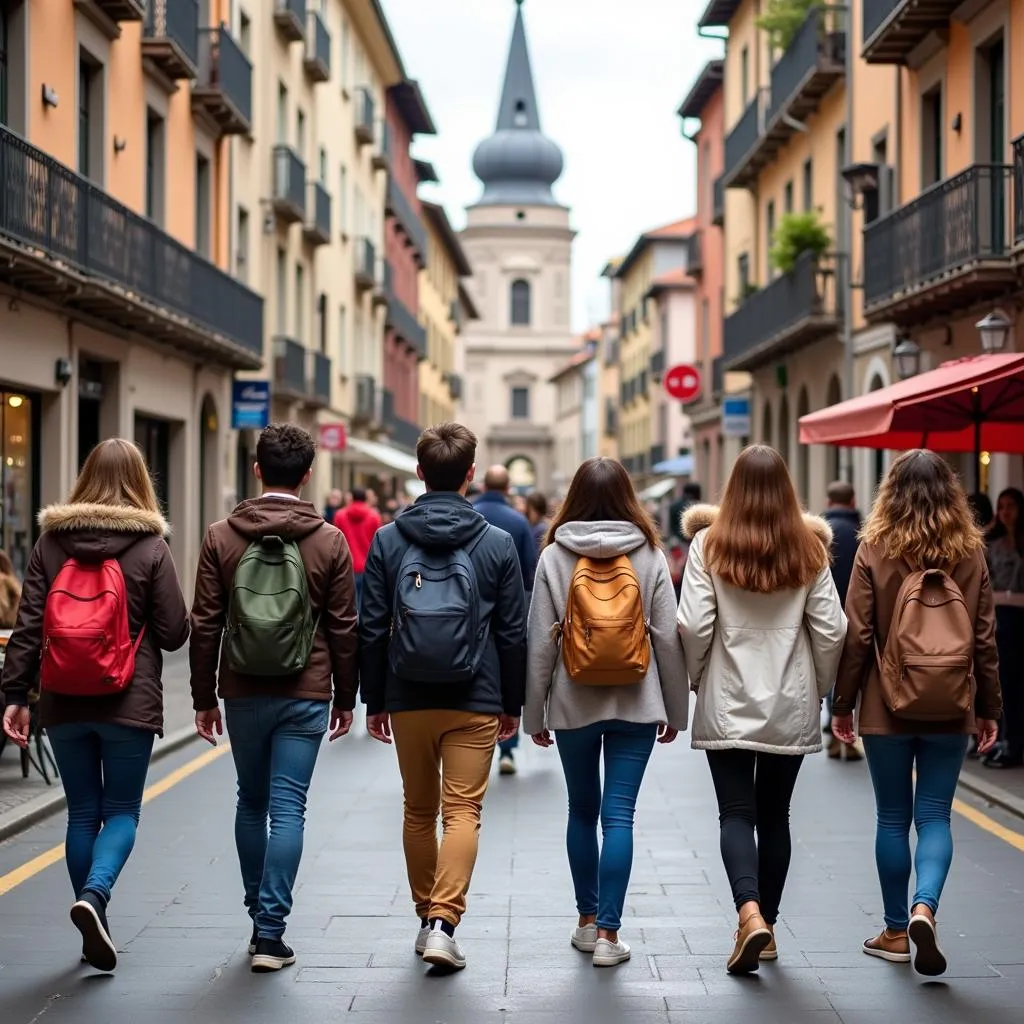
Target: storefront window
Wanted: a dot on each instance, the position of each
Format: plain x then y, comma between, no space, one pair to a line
17,473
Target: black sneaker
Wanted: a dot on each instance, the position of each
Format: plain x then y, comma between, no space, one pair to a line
255,938
271,955
89,916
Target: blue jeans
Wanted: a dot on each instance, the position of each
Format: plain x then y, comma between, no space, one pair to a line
103,768
891,763
275,742
509,745
601,879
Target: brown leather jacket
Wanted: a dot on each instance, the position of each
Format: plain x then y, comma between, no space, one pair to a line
331,591
135,538
870,604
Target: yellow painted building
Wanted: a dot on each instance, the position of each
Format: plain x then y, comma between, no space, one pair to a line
445,306
610,376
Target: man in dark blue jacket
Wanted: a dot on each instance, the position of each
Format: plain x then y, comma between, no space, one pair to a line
444,732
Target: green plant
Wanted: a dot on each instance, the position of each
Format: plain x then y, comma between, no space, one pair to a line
796,234
782,20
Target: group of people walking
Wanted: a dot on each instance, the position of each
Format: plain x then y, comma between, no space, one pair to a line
448,655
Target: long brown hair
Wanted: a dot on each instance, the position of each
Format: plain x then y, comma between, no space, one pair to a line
759,540
115,473
602,490
922,515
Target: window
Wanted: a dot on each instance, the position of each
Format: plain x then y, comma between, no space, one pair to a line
770,233
321,321
788,197
282,292
520,303
343,200
203,206
242,245
886,175
155,163
520,403
743,271
342,340
931,137
663,329
90,118
300,303
744,73
282,113
300,134
808,185
323,166
705,330
245,33
343,73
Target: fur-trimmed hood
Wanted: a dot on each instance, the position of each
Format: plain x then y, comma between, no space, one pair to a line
113,518
700,517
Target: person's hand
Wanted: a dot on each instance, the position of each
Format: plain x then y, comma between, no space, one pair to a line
341,722
208,723
988,733
379,726
16,724
507,727
543,739
842,729
666,734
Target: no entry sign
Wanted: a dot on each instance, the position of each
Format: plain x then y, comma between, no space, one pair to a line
682,382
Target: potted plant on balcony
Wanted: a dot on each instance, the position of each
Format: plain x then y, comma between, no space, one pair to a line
782,20
796,234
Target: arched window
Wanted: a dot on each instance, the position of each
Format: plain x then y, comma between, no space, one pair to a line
520,303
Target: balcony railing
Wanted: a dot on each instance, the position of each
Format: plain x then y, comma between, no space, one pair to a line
948,248
170,37
320,378
402,322
695,253
366,409
365,259
741,142
718,201
57,226
224,86
657,362
792,311
364,115
317,227
122,10
317,61
812,63
893,29
398,206
289,196
290,18
290,376
381,158
1018,191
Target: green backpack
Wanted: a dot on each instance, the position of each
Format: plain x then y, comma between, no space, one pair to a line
270,625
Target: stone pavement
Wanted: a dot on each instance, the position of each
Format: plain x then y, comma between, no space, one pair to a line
178,919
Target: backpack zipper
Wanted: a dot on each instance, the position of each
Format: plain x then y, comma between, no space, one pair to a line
419,581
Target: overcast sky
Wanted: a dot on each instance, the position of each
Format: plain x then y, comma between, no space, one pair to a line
609,74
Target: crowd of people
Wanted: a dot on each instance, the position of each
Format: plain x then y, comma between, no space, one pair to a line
472,617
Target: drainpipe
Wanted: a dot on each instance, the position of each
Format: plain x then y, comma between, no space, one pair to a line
845,283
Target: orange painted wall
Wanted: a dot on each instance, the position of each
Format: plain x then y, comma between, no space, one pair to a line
126,119
51,63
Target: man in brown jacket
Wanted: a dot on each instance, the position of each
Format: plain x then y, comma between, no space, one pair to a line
276,723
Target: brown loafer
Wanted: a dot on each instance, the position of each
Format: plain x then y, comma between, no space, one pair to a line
751,941
893,947
771,951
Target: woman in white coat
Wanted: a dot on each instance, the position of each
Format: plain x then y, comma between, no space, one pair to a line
763,629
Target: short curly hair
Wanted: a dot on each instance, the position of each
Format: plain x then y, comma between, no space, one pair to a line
284,454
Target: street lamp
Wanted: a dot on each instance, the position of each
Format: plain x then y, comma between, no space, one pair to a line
994,331
907,356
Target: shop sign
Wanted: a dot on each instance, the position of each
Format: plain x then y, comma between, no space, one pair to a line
250,404
736,417
333,437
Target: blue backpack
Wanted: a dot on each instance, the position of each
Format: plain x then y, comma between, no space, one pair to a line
436,633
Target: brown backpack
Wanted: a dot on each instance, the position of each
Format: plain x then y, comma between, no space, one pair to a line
928,661
605,635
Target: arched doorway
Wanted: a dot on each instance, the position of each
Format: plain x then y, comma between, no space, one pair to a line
784,425
208,432
522,474
803,453
766,425
833,396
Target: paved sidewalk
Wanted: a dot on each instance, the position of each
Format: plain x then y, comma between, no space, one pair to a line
178,920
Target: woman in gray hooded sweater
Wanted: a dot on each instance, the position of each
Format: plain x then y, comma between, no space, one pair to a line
601,518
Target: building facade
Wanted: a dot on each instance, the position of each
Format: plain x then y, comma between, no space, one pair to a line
519,241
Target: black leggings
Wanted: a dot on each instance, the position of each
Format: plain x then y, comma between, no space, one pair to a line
754,791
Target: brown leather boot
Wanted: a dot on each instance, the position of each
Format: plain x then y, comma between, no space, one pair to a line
889,945
752,939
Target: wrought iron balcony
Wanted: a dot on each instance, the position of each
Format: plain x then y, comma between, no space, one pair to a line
794,310
117,10
290,18
947,249
408,220
289,197
893,29
381,159
695,254
1018,191
742,143
657,363
170,37
364,115
366,407
317,227
223,89
320,379
404,325
290,376
718,201
66,240
365,260
317,61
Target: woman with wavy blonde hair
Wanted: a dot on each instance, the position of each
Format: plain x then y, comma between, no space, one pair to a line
921,520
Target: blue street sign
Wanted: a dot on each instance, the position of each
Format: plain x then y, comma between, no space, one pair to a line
250,404
736,417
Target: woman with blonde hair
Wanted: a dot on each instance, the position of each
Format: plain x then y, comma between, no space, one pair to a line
920,588
10,592
95,640
762,630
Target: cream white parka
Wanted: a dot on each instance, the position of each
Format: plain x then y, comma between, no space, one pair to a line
759,663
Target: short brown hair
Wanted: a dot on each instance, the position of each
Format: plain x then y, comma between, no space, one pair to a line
538,502
446,454
759,540
839,492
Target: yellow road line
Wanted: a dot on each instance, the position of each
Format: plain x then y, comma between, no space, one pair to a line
29,870
983,821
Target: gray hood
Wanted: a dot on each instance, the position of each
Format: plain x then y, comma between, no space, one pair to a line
601,539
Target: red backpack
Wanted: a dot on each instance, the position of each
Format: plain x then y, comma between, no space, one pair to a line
87,649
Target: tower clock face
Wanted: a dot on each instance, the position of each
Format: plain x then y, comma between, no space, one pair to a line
522,473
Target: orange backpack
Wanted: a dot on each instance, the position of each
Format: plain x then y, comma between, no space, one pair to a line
605,638
928,661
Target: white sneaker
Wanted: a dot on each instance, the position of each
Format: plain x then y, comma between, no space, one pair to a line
507,765
421,940
585,938
443,951
610,954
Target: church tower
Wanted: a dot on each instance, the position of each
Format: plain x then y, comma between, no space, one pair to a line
519,242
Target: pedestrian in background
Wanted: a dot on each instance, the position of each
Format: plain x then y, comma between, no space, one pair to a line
494,506
334,504
602,521
358,522
273,623
921,615
109,539
762,628
10,592
690,495
537,515
845,522
984,513
442,666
